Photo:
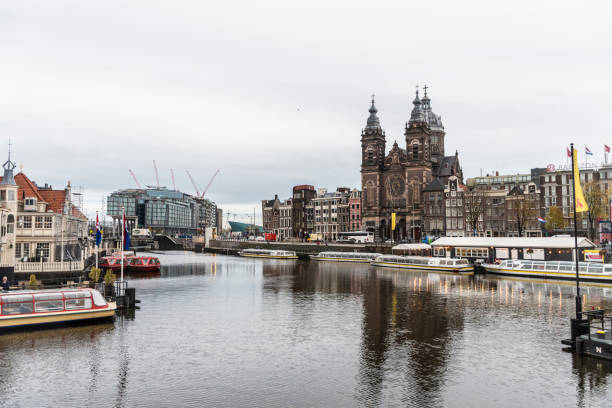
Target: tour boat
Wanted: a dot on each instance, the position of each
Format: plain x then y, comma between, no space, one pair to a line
363,257
143,264
25,308
113,262
425,263
587,271
268,253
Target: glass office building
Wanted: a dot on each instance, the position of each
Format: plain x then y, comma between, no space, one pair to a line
163,211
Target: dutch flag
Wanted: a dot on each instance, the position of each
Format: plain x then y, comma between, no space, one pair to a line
587,151
542,220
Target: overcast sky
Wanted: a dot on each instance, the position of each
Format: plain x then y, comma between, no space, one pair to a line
275,95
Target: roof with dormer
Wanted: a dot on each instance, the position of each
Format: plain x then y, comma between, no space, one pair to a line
55,199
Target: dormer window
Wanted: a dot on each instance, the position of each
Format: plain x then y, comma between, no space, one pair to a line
29,204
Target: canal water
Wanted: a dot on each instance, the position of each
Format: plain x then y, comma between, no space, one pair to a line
233,332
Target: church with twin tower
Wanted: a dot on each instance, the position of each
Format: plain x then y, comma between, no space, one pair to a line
394,182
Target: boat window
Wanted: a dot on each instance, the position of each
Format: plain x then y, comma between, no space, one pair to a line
552,266
538,266
48,296
583,267
82,303
594,268
608,269
16,298
462,262
76,294
17,308
565,266
49,305
98,299
526,265
442,262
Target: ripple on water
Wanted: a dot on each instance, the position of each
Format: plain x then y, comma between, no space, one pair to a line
226,332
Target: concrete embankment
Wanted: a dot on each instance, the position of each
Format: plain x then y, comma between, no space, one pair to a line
303,250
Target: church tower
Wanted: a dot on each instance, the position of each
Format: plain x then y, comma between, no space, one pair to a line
437,129
8,211
372,142
417,132
372,165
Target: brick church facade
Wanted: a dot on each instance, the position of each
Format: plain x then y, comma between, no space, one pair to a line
394,182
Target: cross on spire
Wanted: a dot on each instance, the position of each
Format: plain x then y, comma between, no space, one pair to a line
425,89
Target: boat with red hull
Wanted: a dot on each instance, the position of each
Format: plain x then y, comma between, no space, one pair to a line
143,264
113,263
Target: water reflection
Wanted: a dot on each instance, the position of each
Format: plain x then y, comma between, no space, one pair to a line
226,331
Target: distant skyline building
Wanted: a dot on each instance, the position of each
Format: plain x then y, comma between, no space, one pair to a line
163,211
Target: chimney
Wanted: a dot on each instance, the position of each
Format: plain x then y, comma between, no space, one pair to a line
497,174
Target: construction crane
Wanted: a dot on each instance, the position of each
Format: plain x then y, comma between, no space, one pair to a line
209,183
135,179
193,182
173,182
156,173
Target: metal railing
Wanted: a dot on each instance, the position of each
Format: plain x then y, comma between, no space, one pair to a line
37,267
599,318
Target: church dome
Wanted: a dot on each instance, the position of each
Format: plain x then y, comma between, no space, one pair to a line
373,121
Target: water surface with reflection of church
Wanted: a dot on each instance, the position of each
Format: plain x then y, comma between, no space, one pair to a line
227,331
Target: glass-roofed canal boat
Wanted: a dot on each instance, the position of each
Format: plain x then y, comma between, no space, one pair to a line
363,257
25,308
268,253
425,263
587,271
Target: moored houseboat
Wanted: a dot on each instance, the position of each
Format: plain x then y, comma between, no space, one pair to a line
363,257
143,264
26,308
268,253
587,271
425,263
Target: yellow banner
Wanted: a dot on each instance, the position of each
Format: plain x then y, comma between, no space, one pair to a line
392,221
581,204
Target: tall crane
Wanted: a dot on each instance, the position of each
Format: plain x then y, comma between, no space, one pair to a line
193,182
209,183
135,179
173,182
156,173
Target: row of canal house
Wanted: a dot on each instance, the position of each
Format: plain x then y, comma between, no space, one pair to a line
489,249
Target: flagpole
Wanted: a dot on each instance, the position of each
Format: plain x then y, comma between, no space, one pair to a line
578,298
123,237
97,247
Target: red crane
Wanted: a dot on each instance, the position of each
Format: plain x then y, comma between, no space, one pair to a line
193,182
156,174
173,182
209,183
135,179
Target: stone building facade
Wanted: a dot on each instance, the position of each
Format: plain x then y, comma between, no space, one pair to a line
394,182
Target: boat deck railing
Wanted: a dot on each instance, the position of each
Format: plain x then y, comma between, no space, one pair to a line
596,320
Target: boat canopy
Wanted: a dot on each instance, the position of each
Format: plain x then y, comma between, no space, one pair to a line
410,247
513,242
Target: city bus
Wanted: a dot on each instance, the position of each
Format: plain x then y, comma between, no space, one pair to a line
356,237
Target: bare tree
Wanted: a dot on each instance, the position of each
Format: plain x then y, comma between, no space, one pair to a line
475,203
524,210
597,199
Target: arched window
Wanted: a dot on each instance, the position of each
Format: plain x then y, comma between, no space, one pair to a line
370,194
10,224
415,151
